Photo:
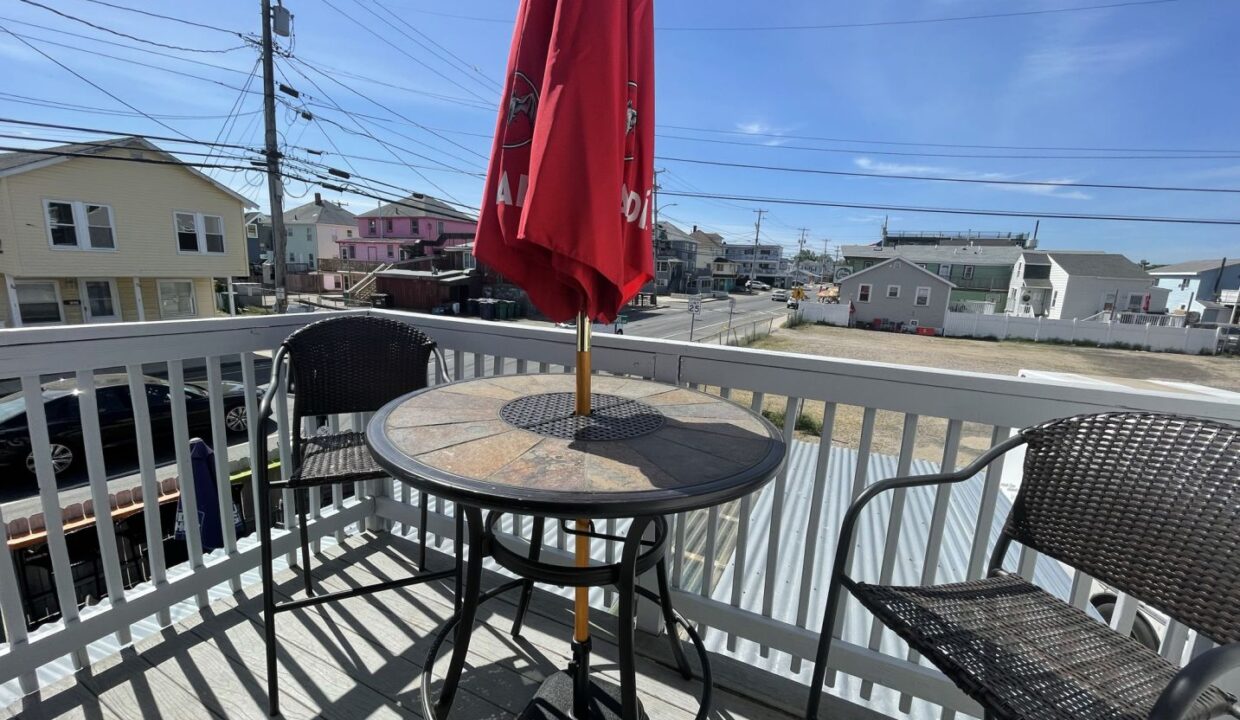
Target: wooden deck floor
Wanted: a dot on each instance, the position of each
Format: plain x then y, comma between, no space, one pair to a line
360,658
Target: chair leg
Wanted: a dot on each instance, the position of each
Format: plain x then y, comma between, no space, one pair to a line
458,544
303,501
269,603
527,589
834,592
422,520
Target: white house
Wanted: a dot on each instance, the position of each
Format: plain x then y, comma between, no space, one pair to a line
899,292
1067,284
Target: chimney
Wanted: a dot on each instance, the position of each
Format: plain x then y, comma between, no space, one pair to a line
318,199
695,228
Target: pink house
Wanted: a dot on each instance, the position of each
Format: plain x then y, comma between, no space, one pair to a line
417,226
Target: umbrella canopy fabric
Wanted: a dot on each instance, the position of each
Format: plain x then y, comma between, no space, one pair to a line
567,205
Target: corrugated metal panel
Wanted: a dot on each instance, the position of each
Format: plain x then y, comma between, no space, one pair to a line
870,539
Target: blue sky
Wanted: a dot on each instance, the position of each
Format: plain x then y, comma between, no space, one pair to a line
1154,76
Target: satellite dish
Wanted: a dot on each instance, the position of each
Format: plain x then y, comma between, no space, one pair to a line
1026,297
842,272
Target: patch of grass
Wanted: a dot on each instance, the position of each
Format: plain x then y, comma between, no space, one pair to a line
805,423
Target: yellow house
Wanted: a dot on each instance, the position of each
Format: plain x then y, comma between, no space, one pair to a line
87,239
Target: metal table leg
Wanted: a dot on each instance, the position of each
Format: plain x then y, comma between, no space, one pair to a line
468,602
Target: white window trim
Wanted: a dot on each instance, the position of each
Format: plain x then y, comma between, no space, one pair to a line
17,313
193,297
869,292
896,296
81,226
85,301
968,272
200,229
917,296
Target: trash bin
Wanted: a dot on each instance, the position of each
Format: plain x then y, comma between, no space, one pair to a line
380,300
471,307
506,311
486,309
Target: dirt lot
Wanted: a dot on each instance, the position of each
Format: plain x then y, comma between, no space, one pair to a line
1003,358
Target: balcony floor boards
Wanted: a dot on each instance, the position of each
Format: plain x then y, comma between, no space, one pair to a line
360,658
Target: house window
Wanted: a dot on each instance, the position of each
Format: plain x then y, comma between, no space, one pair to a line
923,297
251,231
470,261
1135,301
310,259
1184,284
1055,298
348,233
84,226
352,252
867,263
292,257
893,291
391,251
176,299
38,303
863,293
968,272
440,229
372,227
198,233
344,253
945,270
387,226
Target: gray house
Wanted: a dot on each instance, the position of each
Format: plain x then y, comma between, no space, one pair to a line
897,291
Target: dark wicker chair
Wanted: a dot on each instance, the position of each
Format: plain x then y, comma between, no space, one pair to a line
1146,503
345,364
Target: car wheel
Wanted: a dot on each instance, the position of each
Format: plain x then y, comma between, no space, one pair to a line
62,459
236,419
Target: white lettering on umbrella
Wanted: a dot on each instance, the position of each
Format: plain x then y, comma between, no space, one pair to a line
503,195
630,203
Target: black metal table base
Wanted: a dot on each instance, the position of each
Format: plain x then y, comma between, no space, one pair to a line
572,686
555,697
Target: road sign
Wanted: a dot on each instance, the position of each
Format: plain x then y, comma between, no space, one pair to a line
695,305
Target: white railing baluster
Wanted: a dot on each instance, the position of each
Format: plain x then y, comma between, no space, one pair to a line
11,611
53,517
792,411
254,429
185,469
458,364
96,471
979,555
284,443
938,521
544,367
1124,614
219,444
679,551
610,549
708,555
314,495
725,393
1082,587
895,522
150,486
1028,562
480,361
497,365
1173,642
333,426
522,366
814,522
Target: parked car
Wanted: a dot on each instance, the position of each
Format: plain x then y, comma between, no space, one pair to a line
779,295
116,420
756,285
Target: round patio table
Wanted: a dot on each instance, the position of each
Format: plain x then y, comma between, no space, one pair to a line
512,444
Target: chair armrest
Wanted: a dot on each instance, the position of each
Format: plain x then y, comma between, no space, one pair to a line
849,522
1193,679
273,385
441,366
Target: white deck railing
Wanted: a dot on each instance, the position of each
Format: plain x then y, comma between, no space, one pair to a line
722,581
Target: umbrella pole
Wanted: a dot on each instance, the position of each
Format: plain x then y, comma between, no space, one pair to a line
581,609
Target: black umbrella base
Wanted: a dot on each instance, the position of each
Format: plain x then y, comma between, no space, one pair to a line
554,701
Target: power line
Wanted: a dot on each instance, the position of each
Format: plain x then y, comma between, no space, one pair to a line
118,33
93,84
467,69
231,122
939,145
957,211
919,21
401,50
97,131
855,151
183,21
936,178
147,161
113,145
72,107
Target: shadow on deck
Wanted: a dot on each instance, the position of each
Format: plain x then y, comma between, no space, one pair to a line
362,657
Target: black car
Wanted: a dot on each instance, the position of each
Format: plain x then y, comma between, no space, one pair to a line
116,421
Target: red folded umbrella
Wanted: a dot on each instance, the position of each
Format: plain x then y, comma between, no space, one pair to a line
567,205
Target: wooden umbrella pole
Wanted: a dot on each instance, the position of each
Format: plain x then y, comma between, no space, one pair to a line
581,606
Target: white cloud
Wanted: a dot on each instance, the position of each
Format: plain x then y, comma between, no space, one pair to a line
759,128
1053,64
1051,190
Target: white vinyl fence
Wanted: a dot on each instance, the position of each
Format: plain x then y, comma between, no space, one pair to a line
1193,341
829,313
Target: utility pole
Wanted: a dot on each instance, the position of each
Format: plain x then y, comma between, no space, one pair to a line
654,241
800,250
753,262
275,186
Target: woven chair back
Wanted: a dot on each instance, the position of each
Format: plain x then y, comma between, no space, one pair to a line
355,364
1147,503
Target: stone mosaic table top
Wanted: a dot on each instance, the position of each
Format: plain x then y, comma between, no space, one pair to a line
512,443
